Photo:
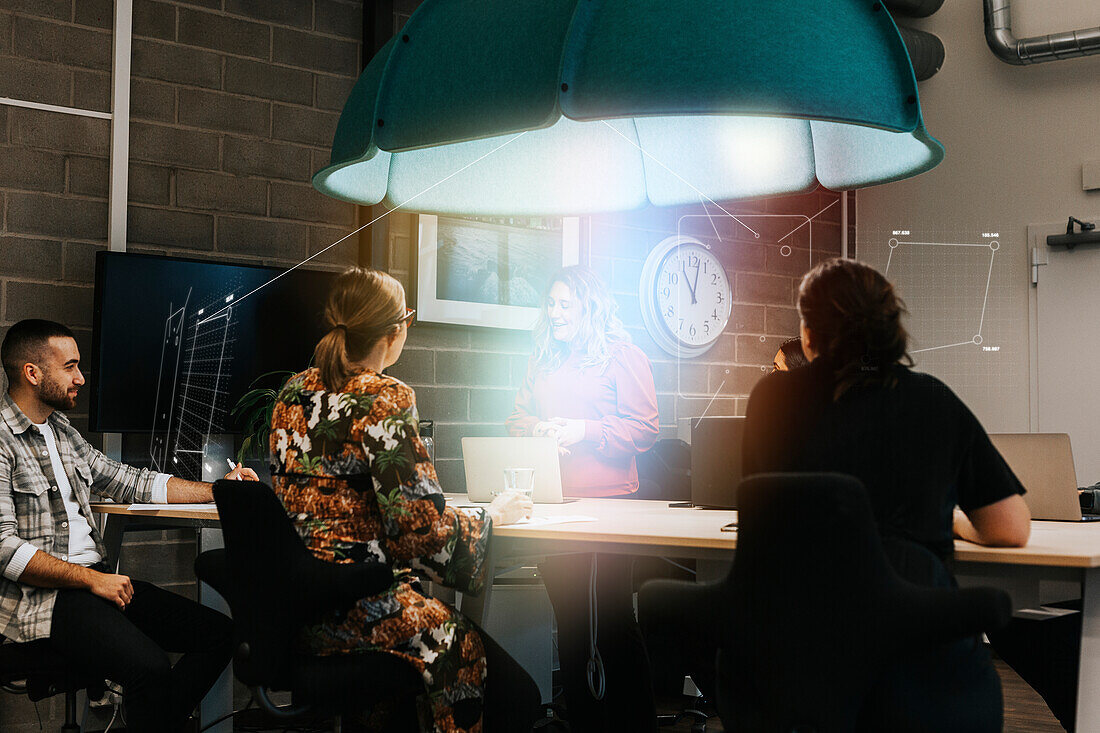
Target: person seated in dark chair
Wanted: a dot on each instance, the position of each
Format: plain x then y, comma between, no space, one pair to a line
859,409
789,356
57,583
356,480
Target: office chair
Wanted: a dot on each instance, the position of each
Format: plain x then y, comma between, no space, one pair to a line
37,671
812,612
664,471
275,586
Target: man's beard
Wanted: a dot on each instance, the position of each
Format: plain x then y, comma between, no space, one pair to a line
56,396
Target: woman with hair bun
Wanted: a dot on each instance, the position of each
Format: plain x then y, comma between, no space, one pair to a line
858,408
592,390
356,480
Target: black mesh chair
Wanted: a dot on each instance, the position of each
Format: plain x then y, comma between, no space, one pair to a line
812,613
274,586
37,671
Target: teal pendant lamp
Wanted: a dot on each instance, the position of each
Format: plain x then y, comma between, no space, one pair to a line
542,107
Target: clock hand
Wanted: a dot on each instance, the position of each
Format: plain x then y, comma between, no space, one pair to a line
696,286
691,287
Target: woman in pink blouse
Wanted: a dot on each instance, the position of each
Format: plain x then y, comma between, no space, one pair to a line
592,390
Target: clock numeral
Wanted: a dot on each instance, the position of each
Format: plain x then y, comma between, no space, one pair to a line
705,264
693,260
706,328
719,298
691,331
669,311
714,278
666,292
681,327
673,278
714,314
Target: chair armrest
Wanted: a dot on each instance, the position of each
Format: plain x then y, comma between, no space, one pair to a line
323,585
946,614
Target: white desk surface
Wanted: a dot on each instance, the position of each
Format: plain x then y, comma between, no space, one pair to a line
636,522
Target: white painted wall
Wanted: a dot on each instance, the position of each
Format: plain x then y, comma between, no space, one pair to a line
1015,140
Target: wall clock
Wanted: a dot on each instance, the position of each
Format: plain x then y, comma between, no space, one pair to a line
685,296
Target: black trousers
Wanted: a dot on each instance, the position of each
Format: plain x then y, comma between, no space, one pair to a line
628,702
131,648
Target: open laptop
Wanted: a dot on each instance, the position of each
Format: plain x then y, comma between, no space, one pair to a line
1044,464
486,458
716,461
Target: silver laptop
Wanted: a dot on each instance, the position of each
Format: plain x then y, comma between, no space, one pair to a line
486,458
1044,464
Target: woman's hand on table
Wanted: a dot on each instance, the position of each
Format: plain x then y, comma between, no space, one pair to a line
509,508
569,432
545,429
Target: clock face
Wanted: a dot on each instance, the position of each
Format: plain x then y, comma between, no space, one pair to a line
689,296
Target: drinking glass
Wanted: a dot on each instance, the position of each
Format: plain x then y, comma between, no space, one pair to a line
521,480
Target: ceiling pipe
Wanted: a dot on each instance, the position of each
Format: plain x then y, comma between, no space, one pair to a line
1037,49
913,8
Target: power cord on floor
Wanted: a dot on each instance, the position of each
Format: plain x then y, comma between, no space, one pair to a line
597,683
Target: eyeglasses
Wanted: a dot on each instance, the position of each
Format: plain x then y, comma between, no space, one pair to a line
409,313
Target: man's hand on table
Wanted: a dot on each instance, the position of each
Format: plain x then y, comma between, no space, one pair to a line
510,507
241,473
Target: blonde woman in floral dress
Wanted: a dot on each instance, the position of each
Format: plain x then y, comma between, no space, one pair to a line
358,484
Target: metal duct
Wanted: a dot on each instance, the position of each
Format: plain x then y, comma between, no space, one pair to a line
913,8
925,51
1035,50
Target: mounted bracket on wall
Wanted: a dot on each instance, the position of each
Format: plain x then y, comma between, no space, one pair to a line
1069,240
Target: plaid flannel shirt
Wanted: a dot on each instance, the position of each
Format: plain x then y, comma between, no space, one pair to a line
33,512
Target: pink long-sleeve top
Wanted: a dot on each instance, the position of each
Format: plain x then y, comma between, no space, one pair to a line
618,404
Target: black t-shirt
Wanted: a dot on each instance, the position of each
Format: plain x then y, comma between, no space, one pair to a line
915,446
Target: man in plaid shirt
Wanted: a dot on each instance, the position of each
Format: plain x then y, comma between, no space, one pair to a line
57,582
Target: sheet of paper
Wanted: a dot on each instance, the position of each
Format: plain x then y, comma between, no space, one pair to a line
176,507
547,521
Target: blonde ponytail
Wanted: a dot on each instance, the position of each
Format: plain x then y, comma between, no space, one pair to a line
363,307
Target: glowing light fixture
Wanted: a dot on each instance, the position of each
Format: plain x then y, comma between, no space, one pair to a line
577,106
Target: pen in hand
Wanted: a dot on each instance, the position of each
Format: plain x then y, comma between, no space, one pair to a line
233,467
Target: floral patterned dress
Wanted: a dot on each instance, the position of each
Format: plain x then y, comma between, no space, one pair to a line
357,483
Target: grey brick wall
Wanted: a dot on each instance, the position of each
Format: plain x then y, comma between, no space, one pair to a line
466,378
233,107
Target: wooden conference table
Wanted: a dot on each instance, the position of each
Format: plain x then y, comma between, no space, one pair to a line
1059,554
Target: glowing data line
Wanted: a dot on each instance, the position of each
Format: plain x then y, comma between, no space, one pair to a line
712,399
988,279
947,244
947,346
372,221
807,221
711,220
681,179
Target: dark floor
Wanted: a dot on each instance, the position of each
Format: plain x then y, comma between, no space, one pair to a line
1025,711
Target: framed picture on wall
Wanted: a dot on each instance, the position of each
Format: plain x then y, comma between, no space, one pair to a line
489,271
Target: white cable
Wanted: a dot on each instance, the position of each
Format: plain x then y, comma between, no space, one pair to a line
597,683
112,721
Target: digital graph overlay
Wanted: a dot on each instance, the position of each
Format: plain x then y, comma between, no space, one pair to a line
197,355
785,250
901,243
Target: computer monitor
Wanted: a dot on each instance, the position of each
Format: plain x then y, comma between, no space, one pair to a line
716,461
176,342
